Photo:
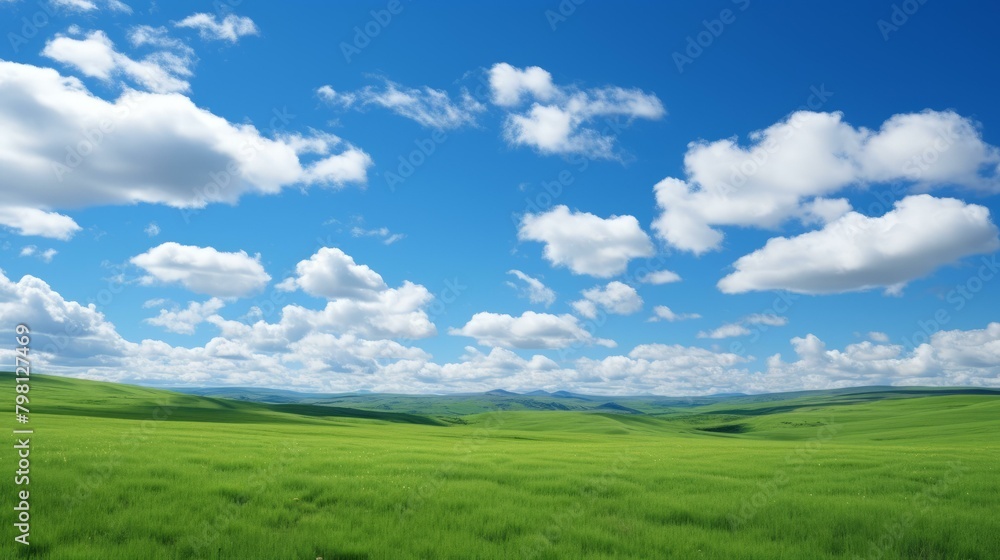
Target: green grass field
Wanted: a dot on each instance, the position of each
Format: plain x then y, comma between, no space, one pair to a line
121,472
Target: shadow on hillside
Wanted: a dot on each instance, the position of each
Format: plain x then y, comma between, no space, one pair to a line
230,412
857,398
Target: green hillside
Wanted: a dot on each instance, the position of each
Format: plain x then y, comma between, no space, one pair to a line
122,472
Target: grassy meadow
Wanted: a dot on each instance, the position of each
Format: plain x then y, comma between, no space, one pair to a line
122,472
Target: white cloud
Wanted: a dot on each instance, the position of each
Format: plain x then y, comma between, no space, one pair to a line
616,297
665,370
857,252
152,229
303,351
184,321
159,37
76,5
947,358
95,56
361,302
32,221
530,330
502,367
769,319
155,302
91,5
156,148
728,330
509,84
332,274
393,313
877,336
534,290
792,168
739,328
660,277
664,313
68,330
585,243
230,29
383,233
203,270
334,97
32,251
429,107
561,119
68,338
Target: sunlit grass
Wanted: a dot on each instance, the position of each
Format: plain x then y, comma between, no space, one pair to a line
906,478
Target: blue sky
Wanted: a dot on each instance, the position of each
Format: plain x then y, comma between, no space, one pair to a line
337,197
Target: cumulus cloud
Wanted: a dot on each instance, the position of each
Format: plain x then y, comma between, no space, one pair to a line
156,149
728,330
615,297
877,336
68,329
184,321
69,338
739,328
953,357
500,367
561,119
665,370
95,56
660,277
203,270
429,107
664,313
509,84
533,289
230,29
32,251
585,243
530,330
333,274
302,351
857,252
360,301
794,168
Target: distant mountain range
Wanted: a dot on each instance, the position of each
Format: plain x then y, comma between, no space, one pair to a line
500,399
